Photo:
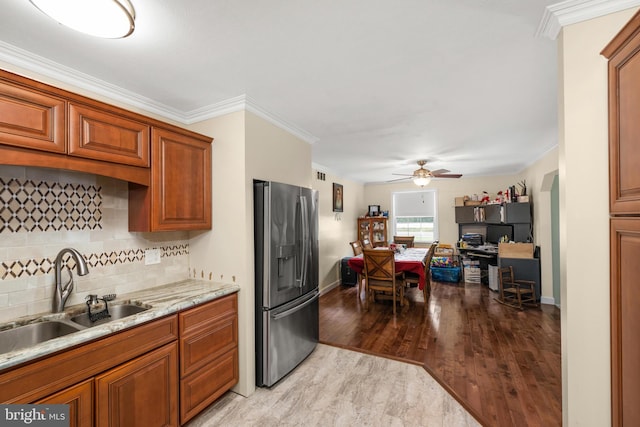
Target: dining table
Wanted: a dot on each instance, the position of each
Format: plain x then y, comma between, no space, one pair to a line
408,260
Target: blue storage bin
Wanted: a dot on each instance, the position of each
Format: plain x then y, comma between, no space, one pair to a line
445,274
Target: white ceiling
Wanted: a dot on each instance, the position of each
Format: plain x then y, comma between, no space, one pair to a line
375,85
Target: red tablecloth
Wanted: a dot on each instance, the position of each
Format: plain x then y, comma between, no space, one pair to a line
411,260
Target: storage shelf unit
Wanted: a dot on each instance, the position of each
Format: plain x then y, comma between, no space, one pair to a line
374,229
478,218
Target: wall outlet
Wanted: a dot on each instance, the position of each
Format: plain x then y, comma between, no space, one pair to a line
152,256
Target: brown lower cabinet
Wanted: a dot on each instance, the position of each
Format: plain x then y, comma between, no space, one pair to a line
143,392
161,373
79,397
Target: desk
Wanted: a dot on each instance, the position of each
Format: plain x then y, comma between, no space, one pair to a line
486,254
411,260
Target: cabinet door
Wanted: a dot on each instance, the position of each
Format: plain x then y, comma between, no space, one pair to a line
179,197
465,214
31,119
625,318
517,213
100,135
379,232
80,400
624,126
493,214
142,392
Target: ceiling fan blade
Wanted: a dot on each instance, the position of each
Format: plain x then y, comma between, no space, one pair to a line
399,179
446,175
402,174
439,171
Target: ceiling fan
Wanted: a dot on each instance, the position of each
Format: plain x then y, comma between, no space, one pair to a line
423,176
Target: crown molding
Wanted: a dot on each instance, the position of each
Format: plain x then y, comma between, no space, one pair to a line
37,64
569,12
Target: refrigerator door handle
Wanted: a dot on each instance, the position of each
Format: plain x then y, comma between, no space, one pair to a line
304,217
295,308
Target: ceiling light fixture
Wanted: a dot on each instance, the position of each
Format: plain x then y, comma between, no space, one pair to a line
422,180
110,19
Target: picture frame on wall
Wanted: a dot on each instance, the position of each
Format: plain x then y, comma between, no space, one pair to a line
338,197
374,210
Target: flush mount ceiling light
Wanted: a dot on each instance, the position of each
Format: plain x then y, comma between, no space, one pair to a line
110,19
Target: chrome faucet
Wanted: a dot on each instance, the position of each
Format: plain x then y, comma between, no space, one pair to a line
61,293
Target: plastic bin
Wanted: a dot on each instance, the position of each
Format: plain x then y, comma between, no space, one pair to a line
445,274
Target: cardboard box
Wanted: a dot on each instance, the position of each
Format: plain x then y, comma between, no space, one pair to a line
472,203
515,250
459,201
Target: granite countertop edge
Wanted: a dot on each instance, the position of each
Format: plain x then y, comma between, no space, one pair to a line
163,300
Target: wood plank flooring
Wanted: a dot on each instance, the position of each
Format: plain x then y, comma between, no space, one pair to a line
502,364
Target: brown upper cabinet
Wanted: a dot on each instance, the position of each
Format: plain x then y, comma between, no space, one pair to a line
623,53
168,168
30,118
179,197
108,136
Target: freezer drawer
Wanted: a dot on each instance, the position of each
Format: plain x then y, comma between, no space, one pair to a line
289,334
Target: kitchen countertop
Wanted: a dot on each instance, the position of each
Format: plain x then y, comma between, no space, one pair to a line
164,300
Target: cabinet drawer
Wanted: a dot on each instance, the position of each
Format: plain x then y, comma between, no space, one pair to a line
111,137
201,348
206,314
31,119
197,391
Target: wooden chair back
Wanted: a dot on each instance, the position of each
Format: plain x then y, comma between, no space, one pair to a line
357,247
380,273
366,244
404,240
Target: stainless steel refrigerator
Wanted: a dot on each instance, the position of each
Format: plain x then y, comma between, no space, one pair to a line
286,265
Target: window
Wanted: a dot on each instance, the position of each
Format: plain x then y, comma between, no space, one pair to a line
414,214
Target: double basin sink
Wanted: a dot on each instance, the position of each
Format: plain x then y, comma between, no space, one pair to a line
40,331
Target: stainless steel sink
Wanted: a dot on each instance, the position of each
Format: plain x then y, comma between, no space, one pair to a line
116,311
34,333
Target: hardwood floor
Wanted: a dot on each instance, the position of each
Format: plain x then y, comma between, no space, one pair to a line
502,364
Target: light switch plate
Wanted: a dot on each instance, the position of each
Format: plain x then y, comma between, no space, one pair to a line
151,256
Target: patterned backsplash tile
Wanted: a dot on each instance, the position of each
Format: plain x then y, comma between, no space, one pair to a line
27,205
35,267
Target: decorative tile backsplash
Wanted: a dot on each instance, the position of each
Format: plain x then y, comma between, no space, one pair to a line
27,205
45,210
34,267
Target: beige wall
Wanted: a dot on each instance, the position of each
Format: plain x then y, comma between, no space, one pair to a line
336,229
584,237
245,147
539,178
448,190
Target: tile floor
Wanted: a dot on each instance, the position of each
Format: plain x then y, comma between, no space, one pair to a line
338,387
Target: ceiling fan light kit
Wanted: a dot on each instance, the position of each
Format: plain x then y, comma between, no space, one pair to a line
109,19
422,176
422,181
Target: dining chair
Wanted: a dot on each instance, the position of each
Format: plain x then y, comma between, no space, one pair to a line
515,293
380,276
412,279
366,244
404,240
357,250
357,247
